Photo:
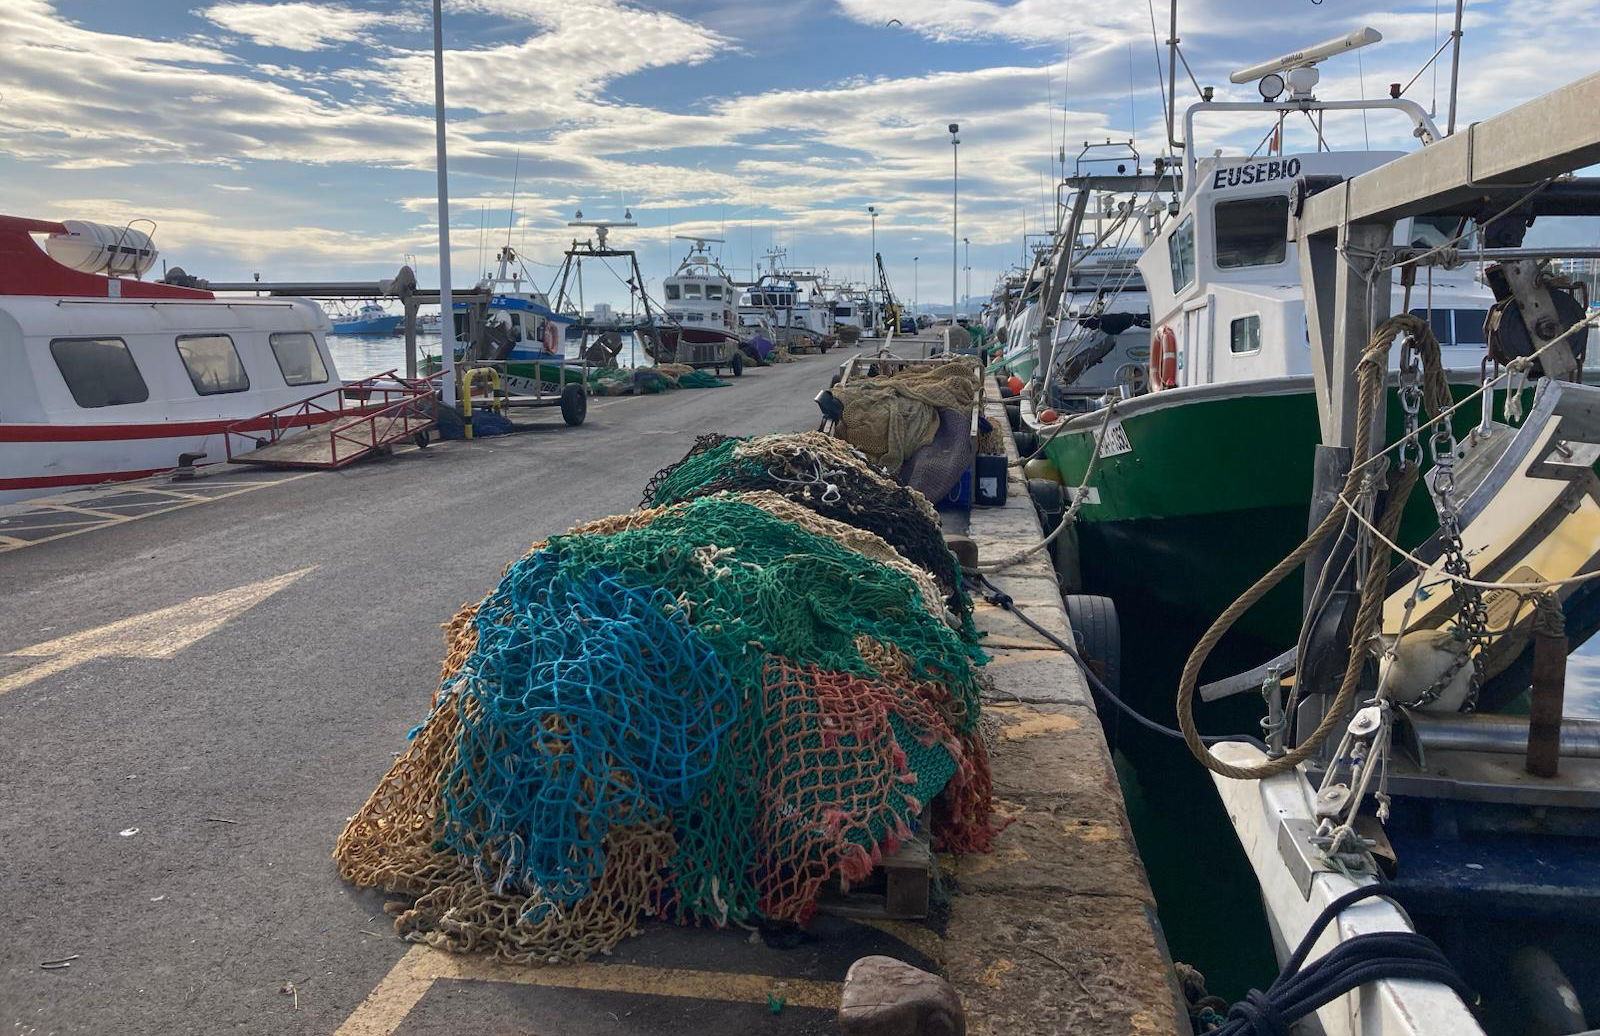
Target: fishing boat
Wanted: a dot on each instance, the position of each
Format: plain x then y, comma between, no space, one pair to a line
1431,753
370,319
1200,469
521,334
106,377
702,310
789,307
852,312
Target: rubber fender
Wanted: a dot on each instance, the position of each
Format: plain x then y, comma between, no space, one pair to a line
1094,623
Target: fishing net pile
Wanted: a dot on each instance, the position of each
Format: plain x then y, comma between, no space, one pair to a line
828,476
638,381
701,712
892,416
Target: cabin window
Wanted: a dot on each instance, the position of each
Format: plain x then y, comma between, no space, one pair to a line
1456,326
1180,250
841,311
691,291
213,364
714,292
99,371
672,293
1252,231
298,358
1470,326
1245,336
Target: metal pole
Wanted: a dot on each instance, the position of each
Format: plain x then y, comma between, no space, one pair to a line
916,289
955,216
966,246
447,334
1172,72
1455,67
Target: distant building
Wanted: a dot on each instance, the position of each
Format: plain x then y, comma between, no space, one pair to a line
602,313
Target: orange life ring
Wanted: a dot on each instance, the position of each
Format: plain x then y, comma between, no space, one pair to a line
551,336
1164,358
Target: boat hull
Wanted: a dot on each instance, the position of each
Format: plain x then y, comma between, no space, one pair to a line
41,459
1197,496
380,326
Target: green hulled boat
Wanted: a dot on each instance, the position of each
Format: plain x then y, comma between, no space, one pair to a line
1203,481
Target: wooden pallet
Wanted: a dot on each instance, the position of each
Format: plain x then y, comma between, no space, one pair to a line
896,889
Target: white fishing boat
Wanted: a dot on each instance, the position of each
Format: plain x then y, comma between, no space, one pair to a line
789,306
107,377
701,304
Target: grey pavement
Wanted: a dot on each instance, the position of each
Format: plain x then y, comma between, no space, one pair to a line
169,804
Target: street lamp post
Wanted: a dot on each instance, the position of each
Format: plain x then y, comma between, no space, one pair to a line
916,292
966,245
447,316
955,212
872,269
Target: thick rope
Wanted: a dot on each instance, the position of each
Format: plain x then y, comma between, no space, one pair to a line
1373,370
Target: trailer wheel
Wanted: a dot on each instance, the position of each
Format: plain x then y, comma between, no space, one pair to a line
574,405
738,363
1095,626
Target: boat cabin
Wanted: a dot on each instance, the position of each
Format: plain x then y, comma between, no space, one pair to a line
108,377
700,294
1226,303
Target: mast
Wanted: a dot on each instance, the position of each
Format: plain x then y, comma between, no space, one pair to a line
1455,67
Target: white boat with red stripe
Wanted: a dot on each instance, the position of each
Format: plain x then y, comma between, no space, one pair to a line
106,377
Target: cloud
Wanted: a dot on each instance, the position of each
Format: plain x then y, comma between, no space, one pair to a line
299,25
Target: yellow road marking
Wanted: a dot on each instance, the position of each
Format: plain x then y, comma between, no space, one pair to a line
924,940
91,512
381,1013
187,500
158,634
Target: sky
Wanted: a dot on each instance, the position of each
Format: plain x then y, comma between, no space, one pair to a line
296,139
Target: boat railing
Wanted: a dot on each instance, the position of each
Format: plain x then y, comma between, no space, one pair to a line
360,416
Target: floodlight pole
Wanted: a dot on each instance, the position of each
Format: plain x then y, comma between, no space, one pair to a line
447,317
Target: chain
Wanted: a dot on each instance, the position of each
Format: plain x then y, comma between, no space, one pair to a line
1472,616
1410,392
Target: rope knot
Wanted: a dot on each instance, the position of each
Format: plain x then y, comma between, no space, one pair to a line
1261,1018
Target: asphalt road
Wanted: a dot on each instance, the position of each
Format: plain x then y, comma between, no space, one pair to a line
171,788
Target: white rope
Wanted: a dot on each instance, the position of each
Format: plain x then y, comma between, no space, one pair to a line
1068,517
1548,584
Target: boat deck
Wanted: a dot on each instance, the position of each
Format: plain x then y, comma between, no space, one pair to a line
197,695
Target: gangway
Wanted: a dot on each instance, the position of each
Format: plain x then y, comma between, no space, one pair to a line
337,426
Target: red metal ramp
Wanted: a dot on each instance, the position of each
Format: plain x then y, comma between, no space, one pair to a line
336,426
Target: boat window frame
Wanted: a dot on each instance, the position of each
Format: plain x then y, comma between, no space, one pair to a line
1277,201
1181,254
1233,326
272,343
718,297
692,292
121,343
671,292
199,389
